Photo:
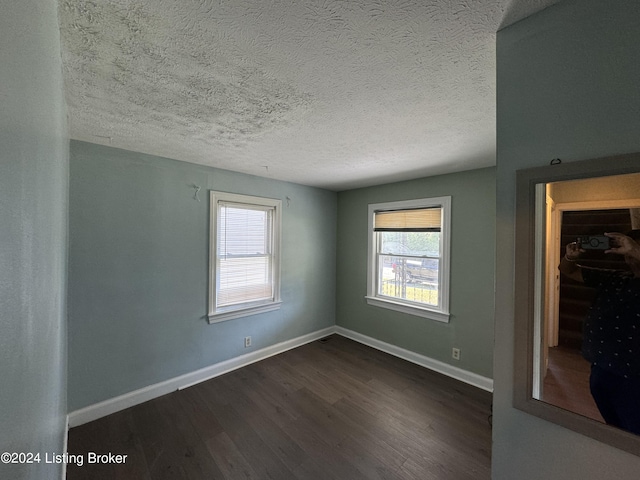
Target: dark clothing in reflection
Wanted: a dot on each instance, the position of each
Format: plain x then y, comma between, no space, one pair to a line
617,398
612,345
612,326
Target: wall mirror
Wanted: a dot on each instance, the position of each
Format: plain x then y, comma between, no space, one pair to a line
555,205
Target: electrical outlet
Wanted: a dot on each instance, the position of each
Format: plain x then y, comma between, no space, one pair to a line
455,353
247,342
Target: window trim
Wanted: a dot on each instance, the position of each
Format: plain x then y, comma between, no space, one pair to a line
441,313
250,308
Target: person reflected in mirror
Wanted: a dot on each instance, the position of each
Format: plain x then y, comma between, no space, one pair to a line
611,330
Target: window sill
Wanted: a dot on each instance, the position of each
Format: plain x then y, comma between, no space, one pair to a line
223,316
410,309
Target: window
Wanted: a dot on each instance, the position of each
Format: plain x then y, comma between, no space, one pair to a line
244,256
408,268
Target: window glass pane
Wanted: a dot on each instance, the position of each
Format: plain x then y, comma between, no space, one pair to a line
244,256
244,279
242,231
410,243
409,278
403,272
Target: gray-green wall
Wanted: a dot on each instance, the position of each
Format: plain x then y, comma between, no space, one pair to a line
138,268
568,88
33,227
472,266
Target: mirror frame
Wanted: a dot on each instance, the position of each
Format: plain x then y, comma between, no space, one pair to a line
524,295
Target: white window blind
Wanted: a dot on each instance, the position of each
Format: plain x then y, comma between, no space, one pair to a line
409,220
244,254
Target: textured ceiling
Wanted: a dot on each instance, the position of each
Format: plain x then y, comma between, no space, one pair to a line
331,93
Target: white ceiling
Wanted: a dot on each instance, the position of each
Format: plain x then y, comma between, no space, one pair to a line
336,94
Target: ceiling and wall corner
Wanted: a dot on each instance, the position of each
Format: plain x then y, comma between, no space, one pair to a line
332,94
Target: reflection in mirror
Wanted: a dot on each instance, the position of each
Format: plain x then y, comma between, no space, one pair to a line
573,349
591,302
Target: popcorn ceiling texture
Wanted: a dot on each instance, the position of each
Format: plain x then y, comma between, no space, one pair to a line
336,94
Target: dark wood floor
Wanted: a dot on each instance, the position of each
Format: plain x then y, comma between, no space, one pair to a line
332,409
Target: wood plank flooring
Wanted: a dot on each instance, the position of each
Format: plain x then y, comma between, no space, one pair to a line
332,409
566,384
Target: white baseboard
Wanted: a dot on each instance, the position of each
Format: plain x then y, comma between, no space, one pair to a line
116,404
107,407
465,376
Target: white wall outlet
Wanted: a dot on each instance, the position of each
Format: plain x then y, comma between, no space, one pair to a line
247,342
455,353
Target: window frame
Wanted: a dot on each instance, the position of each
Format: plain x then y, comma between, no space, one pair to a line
440,313
221,314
